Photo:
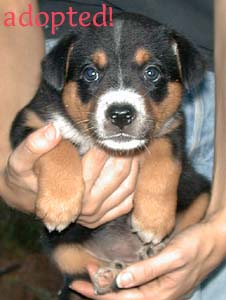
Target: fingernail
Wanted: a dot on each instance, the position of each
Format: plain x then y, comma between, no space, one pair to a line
73,286
38,143
124,280
52,132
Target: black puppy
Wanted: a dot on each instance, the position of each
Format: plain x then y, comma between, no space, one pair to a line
120,89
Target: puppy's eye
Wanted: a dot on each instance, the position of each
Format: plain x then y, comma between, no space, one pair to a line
90,74
152,73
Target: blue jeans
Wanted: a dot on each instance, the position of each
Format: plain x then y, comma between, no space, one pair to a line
199,107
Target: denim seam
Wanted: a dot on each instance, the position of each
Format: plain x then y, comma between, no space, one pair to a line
198,121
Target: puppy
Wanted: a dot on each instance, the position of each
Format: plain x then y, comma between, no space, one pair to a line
119,89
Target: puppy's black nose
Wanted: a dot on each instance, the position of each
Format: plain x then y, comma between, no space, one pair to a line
121,115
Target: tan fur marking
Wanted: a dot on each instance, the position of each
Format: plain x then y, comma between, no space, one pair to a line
61,186
72,259
33,120
156,196
100,59
142,56
163,111
78,111
194,213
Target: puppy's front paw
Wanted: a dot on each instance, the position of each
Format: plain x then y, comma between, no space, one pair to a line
57,210
154,230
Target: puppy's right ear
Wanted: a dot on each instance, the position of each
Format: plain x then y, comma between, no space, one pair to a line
191,63
55,64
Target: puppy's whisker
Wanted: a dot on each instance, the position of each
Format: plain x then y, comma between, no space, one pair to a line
87,130
149,121
78,110
94,95
91,113
82,122
145,94
91,128
147,149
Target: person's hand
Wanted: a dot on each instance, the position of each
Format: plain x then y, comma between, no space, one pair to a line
109,187
109,181
18,182
174,272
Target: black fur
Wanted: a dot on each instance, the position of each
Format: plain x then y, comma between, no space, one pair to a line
54,64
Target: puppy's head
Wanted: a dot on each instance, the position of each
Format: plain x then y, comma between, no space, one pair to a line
123,85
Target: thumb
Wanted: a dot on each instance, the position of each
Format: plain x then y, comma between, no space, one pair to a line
144,271
36,144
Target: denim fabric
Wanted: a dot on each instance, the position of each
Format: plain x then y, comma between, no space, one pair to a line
199,111
199,108
49,44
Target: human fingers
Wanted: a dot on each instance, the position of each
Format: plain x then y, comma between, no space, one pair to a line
92,164
87,289
167,261
177,270
178,261
122,209
123,194
113,173
18,183
151,291
36,144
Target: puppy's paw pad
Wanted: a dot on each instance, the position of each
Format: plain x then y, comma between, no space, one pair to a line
145,252
118,265
150,250
104,280
158,248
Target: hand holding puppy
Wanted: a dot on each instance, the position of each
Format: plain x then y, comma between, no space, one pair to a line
173,273
19,184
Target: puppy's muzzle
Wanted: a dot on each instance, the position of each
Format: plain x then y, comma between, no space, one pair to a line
121,115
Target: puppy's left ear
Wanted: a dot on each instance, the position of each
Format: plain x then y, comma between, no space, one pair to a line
191,63
55,64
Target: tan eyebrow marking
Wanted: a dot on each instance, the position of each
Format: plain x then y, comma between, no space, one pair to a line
142,56
100,58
